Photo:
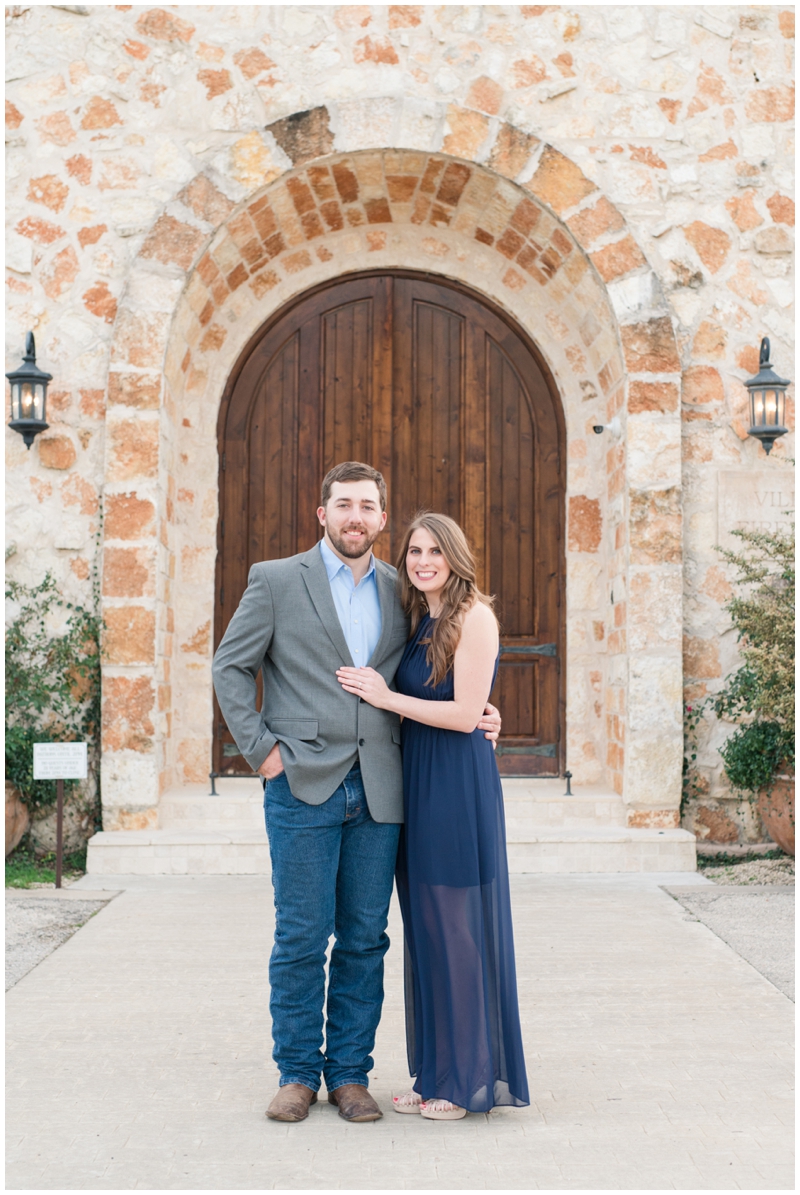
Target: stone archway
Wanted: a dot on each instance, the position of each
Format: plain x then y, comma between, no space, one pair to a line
555,254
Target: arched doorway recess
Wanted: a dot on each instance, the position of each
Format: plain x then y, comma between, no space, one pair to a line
424,379
533,235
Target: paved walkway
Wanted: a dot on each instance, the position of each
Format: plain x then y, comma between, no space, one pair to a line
138,1055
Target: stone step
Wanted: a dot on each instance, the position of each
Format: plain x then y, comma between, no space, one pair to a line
227,814
528,804
178,852
546,832
602,849
585,810
546,851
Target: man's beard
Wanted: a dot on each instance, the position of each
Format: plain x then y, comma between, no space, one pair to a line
350,551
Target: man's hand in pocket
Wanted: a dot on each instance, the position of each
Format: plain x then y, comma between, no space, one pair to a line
272,765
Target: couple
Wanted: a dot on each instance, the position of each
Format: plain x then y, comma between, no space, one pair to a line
348,649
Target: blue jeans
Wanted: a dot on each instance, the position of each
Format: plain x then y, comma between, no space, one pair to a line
332,872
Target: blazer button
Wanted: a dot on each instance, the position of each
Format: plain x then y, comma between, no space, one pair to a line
361,742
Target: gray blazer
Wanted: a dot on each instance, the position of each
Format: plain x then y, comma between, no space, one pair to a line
287,626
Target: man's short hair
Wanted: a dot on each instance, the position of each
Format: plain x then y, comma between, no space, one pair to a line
353,471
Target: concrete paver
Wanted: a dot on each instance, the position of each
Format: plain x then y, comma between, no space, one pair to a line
139,1055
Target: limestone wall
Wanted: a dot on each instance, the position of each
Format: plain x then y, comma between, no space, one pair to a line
659,136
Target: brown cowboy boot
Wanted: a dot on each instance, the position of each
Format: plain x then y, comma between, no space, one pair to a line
292,1102
354,1103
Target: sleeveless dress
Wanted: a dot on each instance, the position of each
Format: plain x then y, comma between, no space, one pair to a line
462,1017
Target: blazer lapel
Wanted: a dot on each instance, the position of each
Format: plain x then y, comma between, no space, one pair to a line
388,600
319,588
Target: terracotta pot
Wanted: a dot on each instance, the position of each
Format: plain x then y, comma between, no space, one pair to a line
17,818
776,807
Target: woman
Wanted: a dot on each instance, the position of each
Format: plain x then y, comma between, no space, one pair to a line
462,1018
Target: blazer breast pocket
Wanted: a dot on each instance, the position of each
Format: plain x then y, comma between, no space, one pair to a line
294,728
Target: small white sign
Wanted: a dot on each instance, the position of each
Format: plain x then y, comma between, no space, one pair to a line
60,761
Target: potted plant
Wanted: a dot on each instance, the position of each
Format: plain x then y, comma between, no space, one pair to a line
759,696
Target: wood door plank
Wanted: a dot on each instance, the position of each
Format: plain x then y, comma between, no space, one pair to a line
475,462
404,462
380,456
308,457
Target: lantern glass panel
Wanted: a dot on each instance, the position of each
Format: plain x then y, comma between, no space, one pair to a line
27,400
758,408
770,407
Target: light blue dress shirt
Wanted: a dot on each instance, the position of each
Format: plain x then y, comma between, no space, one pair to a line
358,606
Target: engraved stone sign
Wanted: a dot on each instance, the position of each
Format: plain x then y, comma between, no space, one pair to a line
753,500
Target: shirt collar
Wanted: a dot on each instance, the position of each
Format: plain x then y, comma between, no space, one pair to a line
333,565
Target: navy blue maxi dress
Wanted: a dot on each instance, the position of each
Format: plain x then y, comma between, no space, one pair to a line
462,1017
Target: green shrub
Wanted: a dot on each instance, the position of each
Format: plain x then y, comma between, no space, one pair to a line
52,683
760,694
754,754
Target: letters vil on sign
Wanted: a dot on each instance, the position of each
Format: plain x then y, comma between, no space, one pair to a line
60,761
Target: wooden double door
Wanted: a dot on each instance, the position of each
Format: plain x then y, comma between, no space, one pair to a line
427,383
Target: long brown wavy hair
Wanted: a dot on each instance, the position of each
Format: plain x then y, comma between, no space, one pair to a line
460,592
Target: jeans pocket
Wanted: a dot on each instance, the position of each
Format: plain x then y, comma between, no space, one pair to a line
277,789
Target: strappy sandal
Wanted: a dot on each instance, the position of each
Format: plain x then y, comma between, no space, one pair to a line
411,1102
441,1110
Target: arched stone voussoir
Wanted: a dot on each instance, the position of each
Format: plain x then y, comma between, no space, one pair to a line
263,208
356,210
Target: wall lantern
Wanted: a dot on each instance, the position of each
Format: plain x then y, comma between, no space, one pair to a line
767,401
29,395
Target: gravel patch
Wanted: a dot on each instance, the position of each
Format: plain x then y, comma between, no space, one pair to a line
757,921
750,871
36,926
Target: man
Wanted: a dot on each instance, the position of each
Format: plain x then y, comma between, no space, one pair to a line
332,773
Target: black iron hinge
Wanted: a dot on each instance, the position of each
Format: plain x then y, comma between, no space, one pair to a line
540,649
546,749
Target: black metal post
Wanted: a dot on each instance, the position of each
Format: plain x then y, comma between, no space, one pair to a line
568,778
59,829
